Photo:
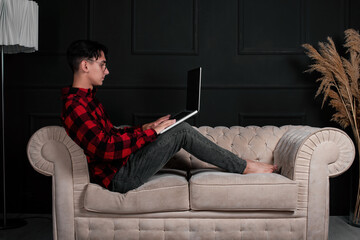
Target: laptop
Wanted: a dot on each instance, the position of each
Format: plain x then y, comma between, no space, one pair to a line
192,98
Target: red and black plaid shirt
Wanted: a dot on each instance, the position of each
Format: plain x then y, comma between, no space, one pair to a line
107,148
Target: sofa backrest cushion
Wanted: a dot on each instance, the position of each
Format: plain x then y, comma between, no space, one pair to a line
252,142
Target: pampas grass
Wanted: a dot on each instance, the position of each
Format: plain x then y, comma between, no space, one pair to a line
339,83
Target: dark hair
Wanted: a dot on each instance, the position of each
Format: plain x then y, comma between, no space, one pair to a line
83,49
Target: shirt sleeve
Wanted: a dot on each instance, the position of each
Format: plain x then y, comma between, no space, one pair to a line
97,143
130,129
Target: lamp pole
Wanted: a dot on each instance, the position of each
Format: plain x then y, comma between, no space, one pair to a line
19,33
6,223
3,135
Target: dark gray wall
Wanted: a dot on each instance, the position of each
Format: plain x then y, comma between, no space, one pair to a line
250,51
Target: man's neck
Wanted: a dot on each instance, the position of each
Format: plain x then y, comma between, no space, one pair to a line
80,82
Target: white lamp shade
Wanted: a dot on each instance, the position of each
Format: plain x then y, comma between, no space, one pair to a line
19,25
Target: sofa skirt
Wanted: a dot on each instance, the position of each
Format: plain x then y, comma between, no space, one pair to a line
194,228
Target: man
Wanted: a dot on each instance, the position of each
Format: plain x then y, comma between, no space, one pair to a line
123,159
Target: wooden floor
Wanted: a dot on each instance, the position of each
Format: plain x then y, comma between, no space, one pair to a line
39,227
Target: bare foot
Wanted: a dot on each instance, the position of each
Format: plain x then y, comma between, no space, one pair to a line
258,167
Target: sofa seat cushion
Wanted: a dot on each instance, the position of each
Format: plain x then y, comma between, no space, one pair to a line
214,190
163,192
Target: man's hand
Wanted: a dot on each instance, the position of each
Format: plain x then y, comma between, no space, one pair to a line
159,124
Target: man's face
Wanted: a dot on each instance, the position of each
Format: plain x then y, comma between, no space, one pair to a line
97,70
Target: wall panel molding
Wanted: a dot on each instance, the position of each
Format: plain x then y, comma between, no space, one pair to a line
169,50
332,22
57,28
34,87
269,47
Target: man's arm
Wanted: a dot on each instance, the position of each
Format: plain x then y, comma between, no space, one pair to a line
127,129
97,143
159,124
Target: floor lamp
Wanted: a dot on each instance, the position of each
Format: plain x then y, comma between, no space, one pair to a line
18,33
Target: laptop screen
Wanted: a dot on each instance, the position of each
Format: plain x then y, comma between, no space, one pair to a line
193,90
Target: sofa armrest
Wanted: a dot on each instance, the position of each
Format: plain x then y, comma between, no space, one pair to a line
38,153
298,146
51,152
310,156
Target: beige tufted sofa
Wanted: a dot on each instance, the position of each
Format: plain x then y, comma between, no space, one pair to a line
192,200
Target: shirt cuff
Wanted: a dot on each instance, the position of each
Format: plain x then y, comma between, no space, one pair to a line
151,133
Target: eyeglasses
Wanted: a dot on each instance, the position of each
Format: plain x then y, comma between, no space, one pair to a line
102,64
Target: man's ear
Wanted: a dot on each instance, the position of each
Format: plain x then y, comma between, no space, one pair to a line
84,66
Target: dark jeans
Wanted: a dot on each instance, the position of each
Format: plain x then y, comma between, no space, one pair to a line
147,161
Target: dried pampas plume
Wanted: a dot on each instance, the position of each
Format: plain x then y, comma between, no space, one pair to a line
339,83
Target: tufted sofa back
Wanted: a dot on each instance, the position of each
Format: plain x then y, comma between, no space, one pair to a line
252,142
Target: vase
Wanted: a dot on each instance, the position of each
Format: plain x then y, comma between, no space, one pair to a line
354,186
